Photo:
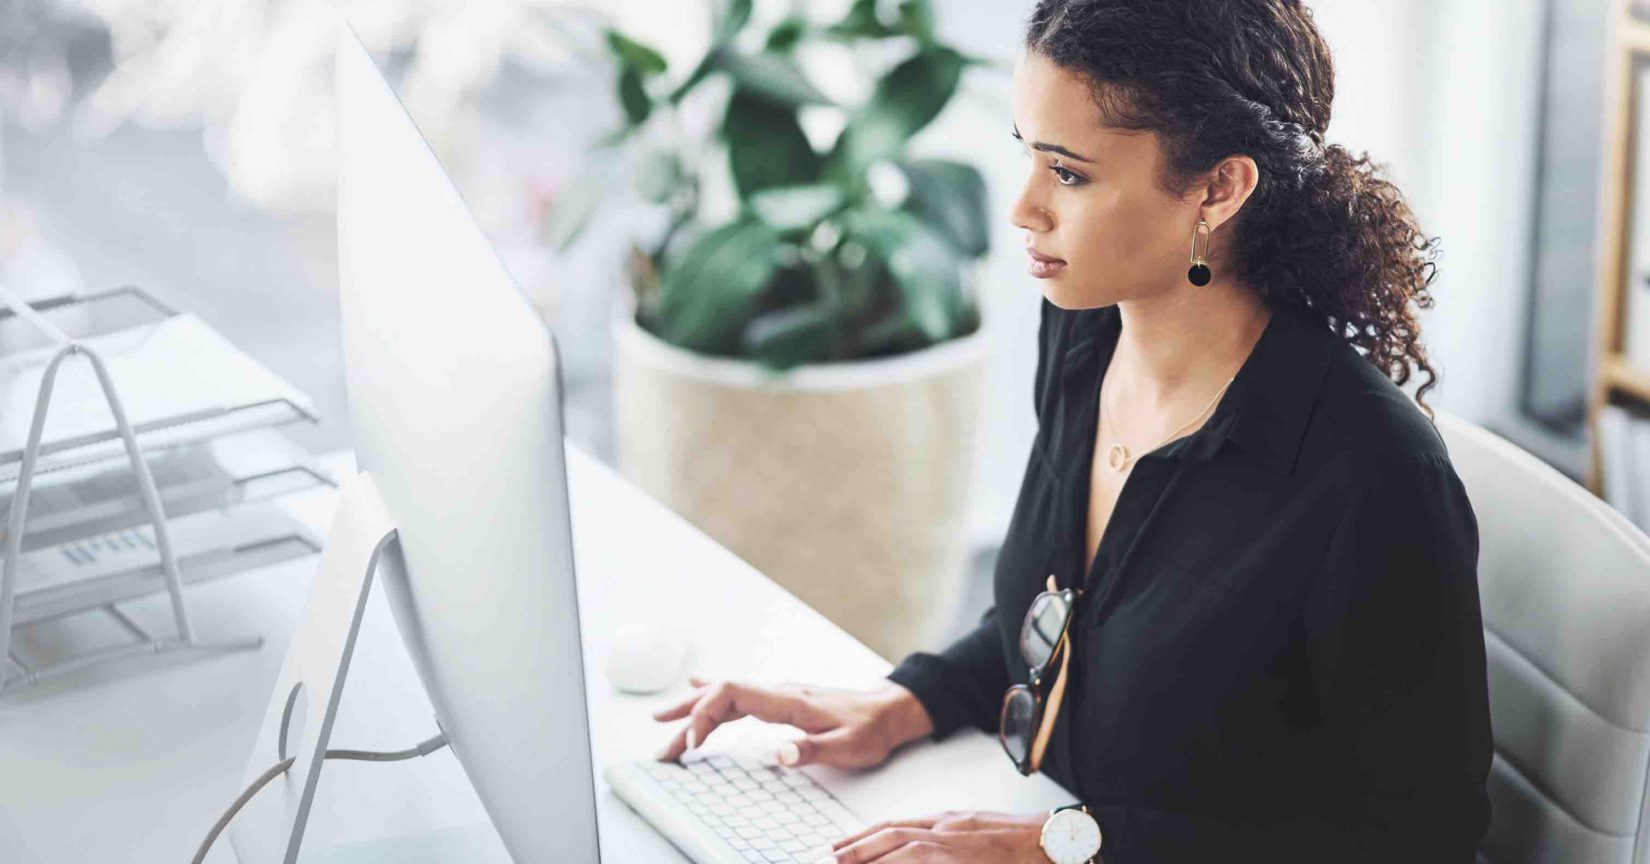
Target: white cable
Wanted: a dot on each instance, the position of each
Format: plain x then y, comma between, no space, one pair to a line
281,767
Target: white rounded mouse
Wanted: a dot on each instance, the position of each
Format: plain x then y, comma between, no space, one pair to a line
646,658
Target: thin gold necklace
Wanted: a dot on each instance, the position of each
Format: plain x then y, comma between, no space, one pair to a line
1117,456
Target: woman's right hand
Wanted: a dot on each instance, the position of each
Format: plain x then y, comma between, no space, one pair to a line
844,728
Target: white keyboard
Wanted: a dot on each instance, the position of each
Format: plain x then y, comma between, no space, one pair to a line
733,809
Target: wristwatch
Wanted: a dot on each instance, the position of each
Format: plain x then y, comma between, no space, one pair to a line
1070,835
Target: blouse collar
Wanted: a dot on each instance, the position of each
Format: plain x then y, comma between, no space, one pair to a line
1266,409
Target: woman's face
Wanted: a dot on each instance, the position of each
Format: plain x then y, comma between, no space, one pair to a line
1091,197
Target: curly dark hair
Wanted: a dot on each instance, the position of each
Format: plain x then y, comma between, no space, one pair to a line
1322,234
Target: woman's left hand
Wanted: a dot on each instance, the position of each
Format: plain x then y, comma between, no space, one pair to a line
953,838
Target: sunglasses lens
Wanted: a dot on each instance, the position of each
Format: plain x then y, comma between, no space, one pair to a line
1041,632
1017,721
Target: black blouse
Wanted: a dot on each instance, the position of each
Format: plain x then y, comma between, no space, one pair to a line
1279,653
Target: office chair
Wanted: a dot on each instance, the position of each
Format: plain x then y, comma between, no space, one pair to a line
1564,580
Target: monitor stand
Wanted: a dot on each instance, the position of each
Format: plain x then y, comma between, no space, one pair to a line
304,702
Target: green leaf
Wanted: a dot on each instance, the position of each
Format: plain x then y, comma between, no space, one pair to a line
907,99
860,290
861,22
891,334
766,146
793,284
792,336
773,77
923,264
917,19
707,65
634,55
633,97
786,34
789,208
707,296
658,174
950,196
733,19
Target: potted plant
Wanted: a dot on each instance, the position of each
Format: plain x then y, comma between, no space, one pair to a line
798,370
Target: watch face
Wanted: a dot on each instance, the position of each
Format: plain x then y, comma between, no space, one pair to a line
1071,837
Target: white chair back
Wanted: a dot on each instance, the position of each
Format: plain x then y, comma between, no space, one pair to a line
1564,580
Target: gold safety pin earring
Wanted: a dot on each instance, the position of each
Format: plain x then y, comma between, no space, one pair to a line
1199,274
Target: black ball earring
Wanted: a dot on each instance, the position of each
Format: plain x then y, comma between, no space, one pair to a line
1199,274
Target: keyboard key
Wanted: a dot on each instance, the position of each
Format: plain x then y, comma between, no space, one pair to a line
762,811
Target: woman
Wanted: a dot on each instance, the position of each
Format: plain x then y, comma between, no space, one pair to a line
1274,648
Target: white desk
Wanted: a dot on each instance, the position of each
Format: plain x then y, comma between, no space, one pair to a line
115,766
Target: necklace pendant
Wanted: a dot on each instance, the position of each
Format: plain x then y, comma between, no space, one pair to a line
1117,457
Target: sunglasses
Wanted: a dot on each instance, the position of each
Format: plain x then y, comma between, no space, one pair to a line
1025,723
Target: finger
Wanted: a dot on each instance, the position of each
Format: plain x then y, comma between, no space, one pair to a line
919,822
727,702
680,709
697,681
720,704
880,843
842,747
675,747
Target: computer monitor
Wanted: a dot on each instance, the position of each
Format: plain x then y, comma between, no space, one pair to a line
455,413
455,410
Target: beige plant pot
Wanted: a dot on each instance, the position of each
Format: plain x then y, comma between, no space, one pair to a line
847,483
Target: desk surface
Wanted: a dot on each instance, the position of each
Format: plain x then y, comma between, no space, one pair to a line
134,763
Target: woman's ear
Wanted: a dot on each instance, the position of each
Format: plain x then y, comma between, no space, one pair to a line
1230,184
